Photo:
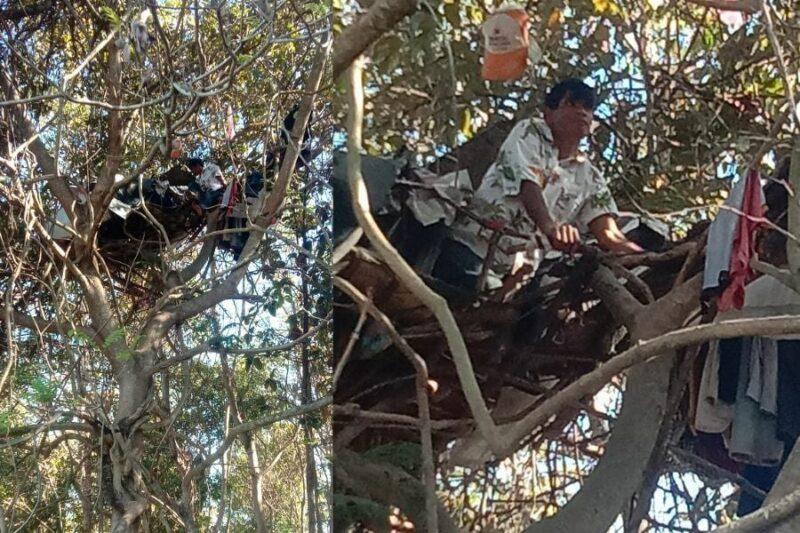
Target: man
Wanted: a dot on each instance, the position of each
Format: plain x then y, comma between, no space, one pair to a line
209,182
544,189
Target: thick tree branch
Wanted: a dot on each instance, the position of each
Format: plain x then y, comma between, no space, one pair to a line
406,275
623,306
42,325
747,6
382,16
767,518
27,130
390,485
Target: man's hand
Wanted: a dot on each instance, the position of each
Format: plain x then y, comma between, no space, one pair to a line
563,237
610,238
624,248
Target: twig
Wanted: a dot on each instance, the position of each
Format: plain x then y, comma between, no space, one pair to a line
381,17
337,373
423,409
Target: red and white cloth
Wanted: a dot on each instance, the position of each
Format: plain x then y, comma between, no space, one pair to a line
749,220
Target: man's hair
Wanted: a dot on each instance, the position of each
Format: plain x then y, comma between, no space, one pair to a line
194,161
573,88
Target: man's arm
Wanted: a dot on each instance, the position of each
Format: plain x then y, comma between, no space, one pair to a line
563,237
610,238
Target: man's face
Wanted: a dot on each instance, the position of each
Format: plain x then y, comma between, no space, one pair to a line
196,169
571,119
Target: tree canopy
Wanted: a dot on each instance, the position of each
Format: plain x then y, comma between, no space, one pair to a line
167,382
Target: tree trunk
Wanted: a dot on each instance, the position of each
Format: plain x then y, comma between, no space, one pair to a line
129,503
256,489
312,511
620,470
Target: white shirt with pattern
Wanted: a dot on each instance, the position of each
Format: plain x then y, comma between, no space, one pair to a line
574,192
211,179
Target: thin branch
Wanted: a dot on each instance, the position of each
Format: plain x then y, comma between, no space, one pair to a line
253,425
206,348
423,409
433,301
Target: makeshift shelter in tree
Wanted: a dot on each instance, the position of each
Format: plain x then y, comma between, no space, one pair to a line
569,405
151,217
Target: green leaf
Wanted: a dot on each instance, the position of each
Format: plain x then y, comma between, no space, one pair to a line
114,337
110,15
44,390
318,9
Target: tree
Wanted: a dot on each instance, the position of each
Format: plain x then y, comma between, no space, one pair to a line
148,378
683,106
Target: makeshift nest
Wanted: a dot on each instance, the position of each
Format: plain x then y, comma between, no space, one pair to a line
141,236
548,334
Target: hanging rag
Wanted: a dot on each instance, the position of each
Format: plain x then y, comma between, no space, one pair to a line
720,238
713,414
753,432
723,231
750,219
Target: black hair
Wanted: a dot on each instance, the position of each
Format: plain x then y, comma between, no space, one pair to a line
193,161
573,88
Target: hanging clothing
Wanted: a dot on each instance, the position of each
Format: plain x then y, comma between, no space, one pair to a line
728,372
713,414
720,237
788,424
789,390
765,297
742,405
211,179
762,477
753,430
744,243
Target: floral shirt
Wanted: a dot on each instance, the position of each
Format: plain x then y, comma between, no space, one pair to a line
211,179
574,191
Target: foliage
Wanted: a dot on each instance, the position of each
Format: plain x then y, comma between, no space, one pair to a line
73,350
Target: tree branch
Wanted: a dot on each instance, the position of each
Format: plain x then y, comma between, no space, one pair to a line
381,17
406,275
390,485
257,423
747,6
